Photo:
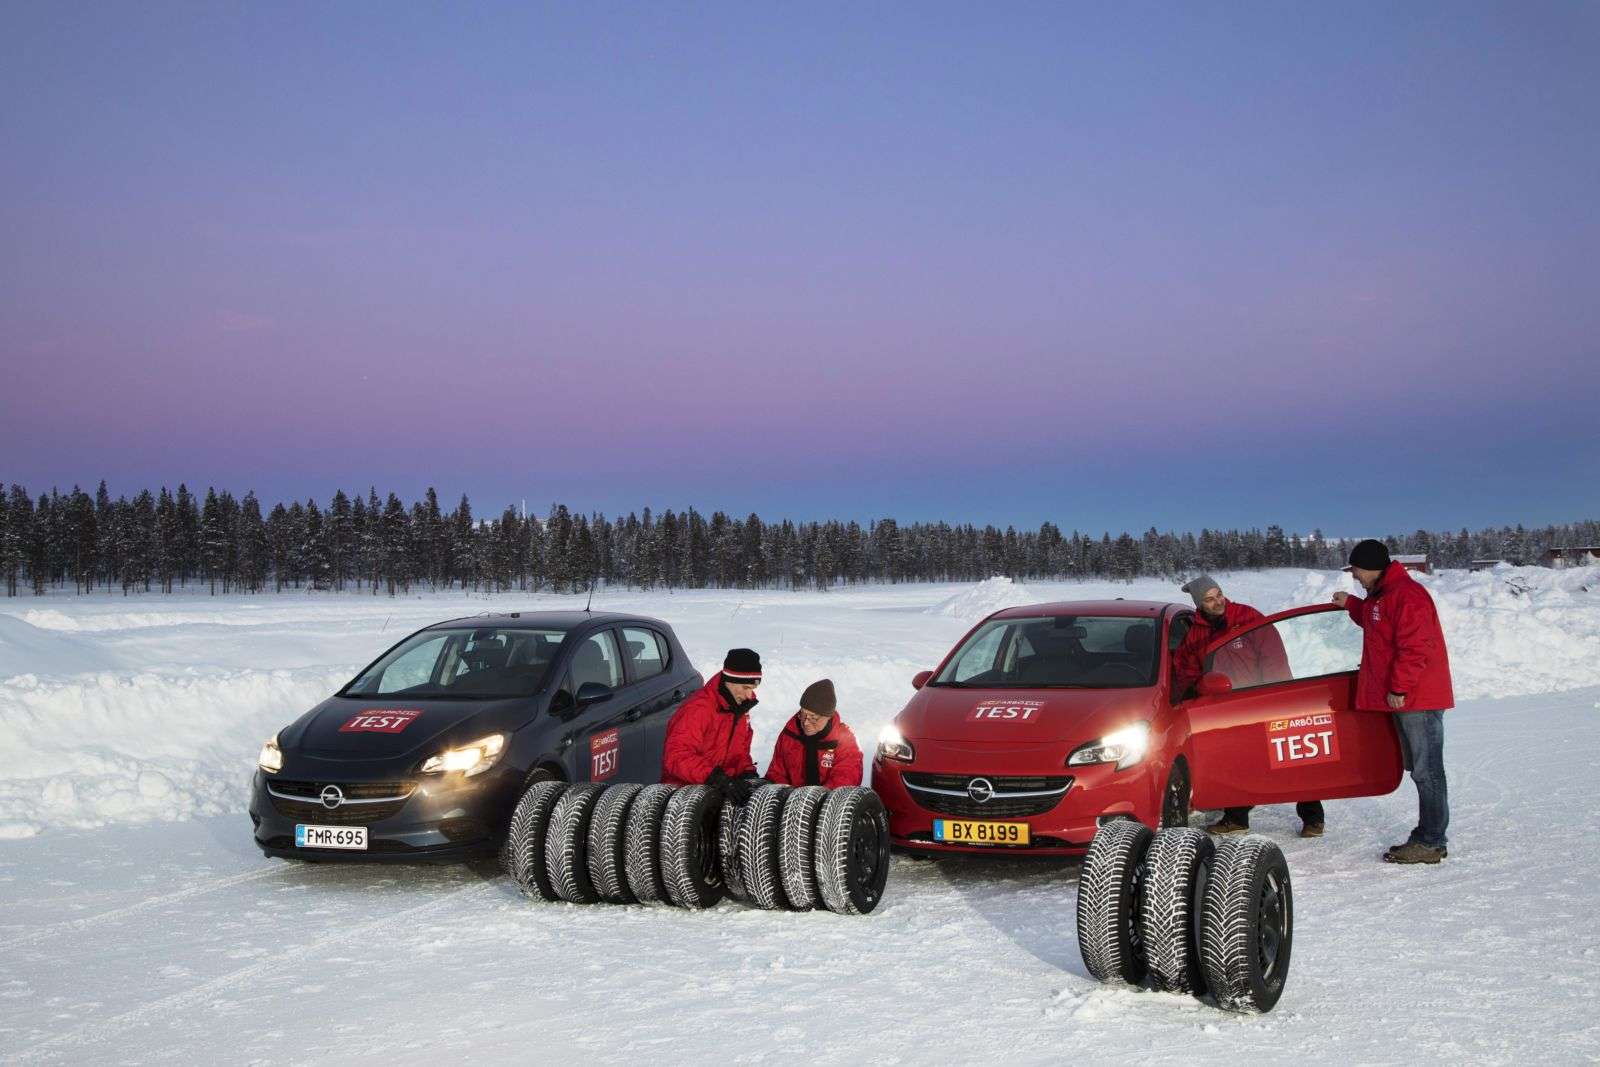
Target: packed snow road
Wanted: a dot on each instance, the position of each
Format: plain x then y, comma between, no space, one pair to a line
132,940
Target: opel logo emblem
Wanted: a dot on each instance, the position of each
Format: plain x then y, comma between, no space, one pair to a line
333,796
980,790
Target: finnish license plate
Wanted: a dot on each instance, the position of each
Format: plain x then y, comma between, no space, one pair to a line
351,837
971,832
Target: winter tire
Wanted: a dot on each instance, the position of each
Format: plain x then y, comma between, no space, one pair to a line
758,848
797,846
1109,886
566,844
1176,872
1175,800
608,856
689,832
728,849
642,843
525,840
1247,925
852,851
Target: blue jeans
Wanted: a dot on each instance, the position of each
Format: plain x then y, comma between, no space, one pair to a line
1422,747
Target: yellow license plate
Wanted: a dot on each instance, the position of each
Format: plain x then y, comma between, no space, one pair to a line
970,832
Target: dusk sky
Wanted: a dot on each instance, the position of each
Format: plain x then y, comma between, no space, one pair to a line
1185,265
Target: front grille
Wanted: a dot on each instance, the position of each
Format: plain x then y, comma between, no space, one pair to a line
1005,804
364,802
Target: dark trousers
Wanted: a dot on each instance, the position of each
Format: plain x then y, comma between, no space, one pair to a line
1422,748
1310,812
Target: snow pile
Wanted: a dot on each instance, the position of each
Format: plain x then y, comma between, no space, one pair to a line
985,598
28,650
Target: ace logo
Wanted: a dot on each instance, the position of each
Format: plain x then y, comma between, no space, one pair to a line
604,748
1302,741
380,721
825,760
1007,710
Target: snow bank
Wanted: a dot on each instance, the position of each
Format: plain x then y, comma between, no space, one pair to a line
988,596
27,650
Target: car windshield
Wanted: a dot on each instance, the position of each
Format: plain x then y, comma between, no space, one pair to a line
1065,651
484,663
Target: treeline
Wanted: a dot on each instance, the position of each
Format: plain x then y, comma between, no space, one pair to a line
172,540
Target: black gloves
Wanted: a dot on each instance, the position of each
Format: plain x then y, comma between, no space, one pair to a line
718,780
739,789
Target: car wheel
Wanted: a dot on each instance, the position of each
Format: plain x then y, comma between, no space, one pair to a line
608,856
797,846
1247,925
728,849
1176,869
642,841
1108,902
759,830
566,844
689,861
852,860
525,839
1175,800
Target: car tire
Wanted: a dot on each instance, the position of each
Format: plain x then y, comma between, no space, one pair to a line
642,841
797,846
728,849
525,839
566,844
1175,798
1176,874
852,851
1109,886
507,854
608,855
1247,925
690,866
759,830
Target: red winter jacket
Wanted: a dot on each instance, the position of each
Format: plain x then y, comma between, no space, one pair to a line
1402,646
1255,658
838,756
706,733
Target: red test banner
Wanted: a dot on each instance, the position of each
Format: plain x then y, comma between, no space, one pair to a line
1007,711
380,721
604,748
1302,740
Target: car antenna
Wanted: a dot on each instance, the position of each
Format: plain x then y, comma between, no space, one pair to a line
591,593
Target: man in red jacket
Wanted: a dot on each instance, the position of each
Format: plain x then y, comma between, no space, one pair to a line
708,738
1256,658
816,748
1405,669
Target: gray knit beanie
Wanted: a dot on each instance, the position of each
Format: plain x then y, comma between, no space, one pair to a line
1200,587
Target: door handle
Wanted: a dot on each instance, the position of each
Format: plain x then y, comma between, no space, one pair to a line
633,714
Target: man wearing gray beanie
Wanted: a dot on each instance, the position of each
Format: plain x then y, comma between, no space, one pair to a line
1256,661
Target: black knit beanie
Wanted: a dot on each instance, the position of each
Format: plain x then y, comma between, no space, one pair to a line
1370,555
741,667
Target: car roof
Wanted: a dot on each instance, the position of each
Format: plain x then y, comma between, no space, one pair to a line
1133,609
541,620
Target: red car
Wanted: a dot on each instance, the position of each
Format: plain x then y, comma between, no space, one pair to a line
1047,720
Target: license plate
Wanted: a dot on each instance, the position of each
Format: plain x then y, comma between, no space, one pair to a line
969,832
351,837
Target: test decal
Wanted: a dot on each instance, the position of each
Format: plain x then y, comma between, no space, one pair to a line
1007,711
380,721
1303,740
604,747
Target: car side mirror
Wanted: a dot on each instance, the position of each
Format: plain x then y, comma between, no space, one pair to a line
592,693
920,679
1214,684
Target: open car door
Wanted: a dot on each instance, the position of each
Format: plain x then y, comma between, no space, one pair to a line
1284,729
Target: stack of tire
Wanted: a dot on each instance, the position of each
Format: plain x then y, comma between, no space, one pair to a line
1178,913
789,848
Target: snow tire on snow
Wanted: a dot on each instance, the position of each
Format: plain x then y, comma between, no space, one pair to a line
1247,925
642,843
608,857
758,848
689,838
797,846
1176,868
1108,902
852,851
728,849
566,844
525,840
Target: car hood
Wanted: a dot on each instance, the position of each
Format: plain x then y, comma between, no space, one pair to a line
349,728
1004,716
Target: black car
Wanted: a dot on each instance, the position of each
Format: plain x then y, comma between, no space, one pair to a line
425,753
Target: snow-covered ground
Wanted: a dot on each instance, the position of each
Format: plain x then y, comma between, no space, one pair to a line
138,923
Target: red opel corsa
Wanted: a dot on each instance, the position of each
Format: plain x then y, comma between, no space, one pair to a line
1047,720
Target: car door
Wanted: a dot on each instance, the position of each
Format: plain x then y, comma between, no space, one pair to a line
603,738
655,689
1286,730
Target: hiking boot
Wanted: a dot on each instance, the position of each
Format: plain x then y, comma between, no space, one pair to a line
1311,829
1414,852
1225,825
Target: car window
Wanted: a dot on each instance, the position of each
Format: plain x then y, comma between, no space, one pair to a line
596,660
1078,651
978,656
646,652
1302,646
482,663
413,667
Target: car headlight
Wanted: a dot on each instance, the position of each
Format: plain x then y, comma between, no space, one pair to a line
1124,747
473,758
271,758
893,745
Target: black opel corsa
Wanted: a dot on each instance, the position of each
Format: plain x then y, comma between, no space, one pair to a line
425,753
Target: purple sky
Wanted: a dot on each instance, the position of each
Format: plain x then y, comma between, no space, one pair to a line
1111,266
